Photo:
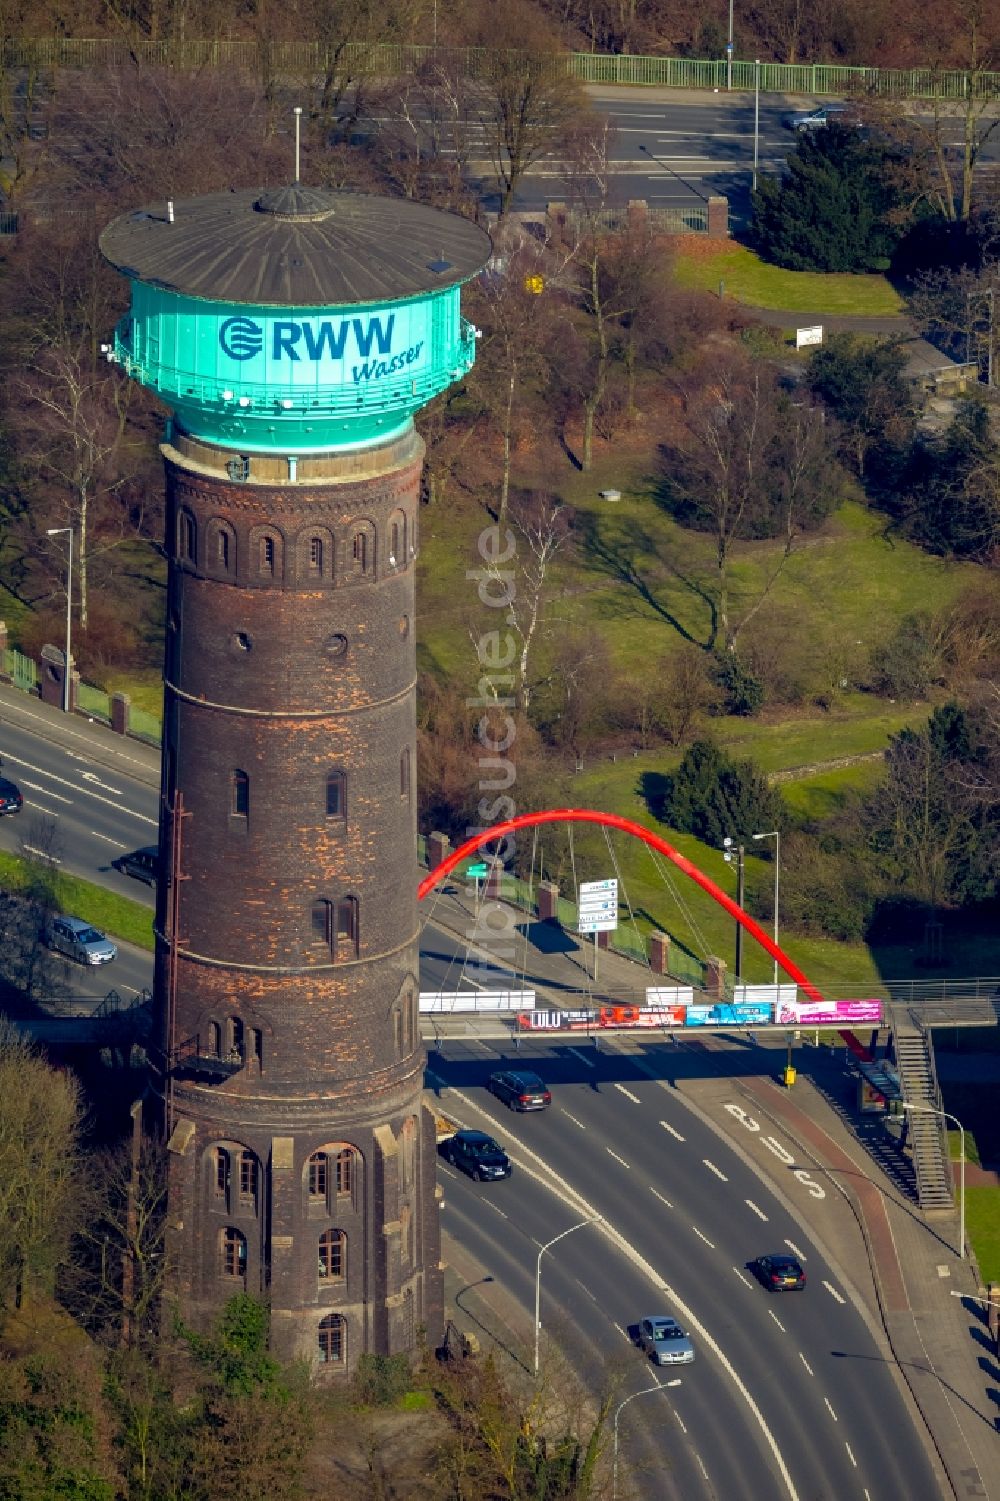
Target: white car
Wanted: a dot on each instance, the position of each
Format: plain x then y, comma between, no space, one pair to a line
826,114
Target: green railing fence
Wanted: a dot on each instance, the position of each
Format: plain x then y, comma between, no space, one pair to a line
312,59
22,670
144,726
93,701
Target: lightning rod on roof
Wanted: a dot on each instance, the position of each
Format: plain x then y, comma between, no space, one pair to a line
298,118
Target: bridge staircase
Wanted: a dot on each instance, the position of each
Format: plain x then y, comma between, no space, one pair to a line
918,1082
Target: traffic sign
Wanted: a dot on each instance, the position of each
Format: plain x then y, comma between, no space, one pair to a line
597,910
476,872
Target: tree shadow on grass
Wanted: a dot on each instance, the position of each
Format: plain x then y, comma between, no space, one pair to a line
617,555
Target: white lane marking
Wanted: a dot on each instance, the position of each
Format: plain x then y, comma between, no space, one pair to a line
575,1121
701,1466
656,1194
545,1175
668,1127
46,793
96,834
29,849
805,1363
851,1457
776,1320
88,792
743,1278
703,1237
496,1209
582,1057
91,776
833,1292
621,1331
757,1211
716,1170
830,1409
680,1420
795,1250
628,1094
616,1157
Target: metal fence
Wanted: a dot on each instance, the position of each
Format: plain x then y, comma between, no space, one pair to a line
312,59
8,224
22,670
93,701
671,220
144,726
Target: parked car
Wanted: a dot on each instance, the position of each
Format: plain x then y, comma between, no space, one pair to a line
665,1341
780,1273
520,1089
826,114
11,800
144,864
478,1155
78,940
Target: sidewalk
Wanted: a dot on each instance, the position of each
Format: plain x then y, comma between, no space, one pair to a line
87,738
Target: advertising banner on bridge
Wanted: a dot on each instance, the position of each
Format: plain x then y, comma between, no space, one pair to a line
730,1014
828,1013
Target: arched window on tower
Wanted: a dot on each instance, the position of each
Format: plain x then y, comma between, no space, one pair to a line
319,1165
221,1176
404,773
346,943
333,1340
333,1255
213,1041
239,794
397,540
187,537
336,794
248,1177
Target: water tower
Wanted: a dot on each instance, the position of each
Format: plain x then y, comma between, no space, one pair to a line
294,334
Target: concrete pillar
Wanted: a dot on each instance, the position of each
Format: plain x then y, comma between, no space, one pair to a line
548,901
659,953
494,881
438,848
120,705
50,678
715,977
718,218
638,213
555,219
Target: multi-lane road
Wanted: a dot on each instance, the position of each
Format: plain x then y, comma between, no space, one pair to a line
790,1396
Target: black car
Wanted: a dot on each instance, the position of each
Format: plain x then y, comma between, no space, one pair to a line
11,800
780,1273
478,1155
520,1089
144,864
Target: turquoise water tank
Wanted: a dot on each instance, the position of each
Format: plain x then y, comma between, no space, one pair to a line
297,320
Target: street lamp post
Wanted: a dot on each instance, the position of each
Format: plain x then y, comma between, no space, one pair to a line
729,50
775,834
945,1115
660,1386
592,1219
57,531
756,119
736,851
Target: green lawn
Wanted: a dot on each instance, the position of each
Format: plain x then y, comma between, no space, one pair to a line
982,1225
751,280
114,914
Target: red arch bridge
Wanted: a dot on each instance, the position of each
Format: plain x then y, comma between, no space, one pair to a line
638,831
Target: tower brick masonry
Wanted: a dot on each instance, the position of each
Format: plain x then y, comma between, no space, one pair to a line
295,333
287,936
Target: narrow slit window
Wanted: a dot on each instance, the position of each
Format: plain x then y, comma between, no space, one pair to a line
336,795
346,928
318,1175
332,1246
248,1176
234,1253
316,556
221,1172
239,801
267,556
345,1171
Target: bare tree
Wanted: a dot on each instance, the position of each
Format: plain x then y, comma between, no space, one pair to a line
75,436
40,1119
529,104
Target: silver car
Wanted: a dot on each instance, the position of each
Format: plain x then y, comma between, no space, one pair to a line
78,940
826,114
665,1341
